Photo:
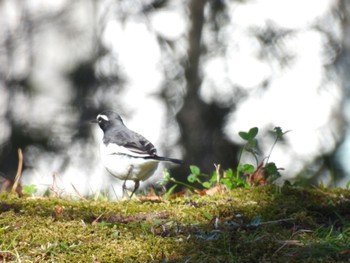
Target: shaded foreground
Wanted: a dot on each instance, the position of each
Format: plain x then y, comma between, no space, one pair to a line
262,224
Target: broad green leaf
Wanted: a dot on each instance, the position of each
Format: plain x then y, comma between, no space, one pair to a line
227,182
229,173
271,168
195,169
247,168
250,135
29,189
213,178
192,178
207,185
244,136
253,132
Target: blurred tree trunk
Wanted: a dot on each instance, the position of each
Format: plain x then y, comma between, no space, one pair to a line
201,123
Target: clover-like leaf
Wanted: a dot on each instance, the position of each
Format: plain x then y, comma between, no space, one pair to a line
250,135
192,178
247,168
270,168
195,170
253,132
244,135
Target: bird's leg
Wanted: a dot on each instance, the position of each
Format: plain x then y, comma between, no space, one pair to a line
125,192
137,184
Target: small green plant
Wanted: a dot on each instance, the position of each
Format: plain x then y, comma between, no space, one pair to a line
29,189
232,180
227,178
265,171
167,178
203,179
250,147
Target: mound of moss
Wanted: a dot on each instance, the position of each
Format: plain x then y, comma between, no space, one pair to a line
260,224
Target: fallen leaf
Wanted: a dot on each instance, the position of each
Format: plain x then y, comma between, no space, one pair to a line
59,210
178,194
152,198
211,191
258,177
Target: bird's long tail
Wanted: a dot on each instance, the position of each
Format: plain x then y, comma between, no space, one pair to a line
167,159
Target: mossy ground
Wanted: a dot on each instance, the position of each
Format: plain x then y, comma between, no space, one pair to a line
261,224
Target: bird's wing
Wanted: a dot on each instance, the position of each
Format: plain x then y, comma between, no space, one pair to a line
141,146
131,143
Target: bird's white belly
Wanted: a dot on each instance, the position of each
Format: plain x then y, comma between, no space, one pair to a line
125,167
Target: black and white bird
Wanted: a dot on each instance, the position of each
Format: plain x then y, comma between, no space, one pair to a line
126,154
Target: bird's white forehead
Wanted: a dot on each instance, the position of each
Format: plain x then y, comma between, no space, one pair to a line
102,116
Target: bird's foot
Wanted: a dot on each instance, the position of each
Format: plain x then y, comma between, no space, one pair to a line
137,184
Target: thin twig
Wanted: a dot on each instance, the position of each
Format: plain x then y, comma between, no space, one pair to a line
54,189
19,170
218,175
76,190
96,220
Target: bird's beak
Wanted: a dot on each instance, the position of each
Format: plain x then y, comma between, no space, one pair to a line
93,121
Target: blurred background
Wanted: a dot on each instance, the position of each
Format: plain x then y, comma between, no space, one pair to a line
187,74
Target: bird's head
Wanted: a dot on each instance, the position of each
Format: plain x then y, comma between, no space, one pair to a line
108,119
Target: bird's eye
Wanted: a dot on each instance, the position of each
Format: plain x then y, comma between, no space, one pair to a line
102,118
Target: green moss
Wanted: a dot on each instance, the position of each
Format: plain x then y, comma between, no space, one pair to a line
244,225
